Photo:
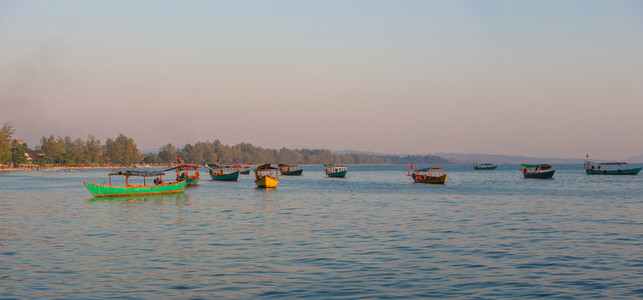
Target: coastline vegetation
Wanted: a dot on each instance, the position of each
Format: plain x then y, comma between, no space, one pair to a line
122,150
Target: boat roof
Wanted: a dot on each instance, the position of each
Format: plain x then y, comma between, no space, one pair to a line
613,163
137,173
287,165
536,165
184,166
332,165
266,167
218,166
428,169
223,166
484,164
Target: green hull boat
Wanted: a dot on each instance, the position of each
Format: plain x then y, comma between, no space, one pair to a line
539,171
541,175
100,190
485,167
290,170
613,172
609,168
234,176
338,174
293,173
191,181
338,171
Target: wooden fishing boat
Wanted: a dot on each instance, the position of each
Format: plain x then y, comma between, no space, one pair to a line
541,171
101,190
224,173
609,168
243,169
484,166
427,175
266,176
187,172
290,170
335,170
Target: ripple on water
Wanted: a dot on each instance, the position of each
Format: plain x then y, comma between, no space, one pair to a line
371,235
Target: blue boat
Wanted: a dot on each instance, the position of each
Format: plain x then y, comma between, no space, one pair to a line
609,168
485,166
541,171
224,173
291,170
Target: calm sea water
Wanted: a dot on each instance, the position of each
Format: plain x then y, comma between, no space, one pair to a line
485,235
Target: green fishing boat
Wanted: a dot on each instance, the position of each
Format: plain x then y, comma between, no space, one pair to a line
539,171
609,168
187,172
243,169
485,166
102,190
290,170
335,170
224,173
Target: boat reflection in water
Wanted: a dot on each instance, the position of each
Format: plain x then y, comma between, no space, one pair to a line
179,198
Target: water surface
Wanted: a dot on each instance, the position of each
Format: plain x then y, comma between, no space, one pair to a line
374,234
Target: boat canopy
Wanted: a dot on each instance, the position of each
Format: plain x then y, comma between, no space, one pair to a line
332,165
184,166
542,166
428,169
137,173
286,165
218,166
612,163
266,167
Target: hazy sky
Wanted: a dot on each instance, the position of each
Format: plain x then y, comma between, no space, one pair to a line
537,78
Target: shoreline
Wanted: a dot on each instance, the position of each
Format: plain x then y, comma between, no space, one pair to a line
57,168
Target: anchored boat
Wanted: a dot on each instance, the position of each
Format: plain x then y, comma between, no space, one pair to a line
159,187
290,170
484,166
187,172
266,176
609,168
335,170
243,169
541,171
427,175
224,173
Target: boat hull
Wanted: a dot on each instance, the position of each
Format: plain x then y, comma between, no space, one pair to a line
190,181
430,180
541,175
100,190
485,168
234,176
292,173
341,174
613,172
246,172
266,182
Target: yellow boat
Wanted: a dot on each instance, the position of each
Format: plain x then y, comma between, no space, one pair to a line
266,176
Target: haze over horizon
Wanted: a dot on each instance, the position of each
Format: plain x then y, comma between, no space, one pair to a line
541,78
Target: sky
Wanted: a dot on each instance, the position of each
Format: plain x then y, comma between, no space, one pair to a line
534,78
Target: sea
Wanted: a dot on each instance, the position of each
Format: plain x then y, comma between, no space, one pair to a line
371,235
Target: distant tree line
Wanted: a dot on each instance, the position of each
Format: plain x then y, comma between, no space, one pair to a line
209,152
124,151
